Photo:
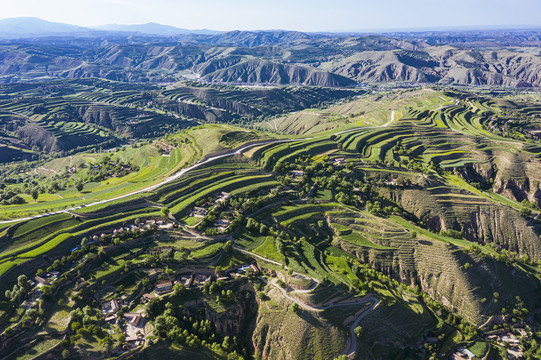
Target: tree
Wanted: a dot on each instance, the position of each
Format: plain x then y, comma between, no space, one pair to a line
295,307
107,342
80,186
525,212
32,314
121,338
66,354
358,331
219,270
23,282
178,289
46,290
165,212
35,195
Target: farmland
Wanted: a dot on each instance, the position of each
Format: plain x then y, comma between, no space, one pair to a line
410,227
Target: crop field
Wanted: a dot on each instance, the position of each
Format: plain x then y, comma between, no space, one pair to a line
408,215
359,112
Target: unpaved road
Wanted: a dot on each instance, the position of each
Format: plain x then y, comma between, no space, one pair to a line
352,344
171,178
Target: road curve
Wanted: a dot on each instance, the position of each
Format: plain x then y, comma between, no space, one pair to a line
167,180
352,345
183,171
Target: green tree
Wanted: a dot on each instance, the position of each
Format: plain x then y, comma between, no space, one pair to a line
165,212
358,331
32,314
66,354
79,186
46,290
35,195
525,212
178,289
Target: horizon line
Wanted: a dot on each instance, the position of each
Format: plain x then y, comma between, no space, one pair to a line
382,30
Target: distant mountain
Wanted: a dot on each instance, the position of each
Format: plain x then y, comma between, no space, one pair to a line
153,29
258,38
29,26
266,72
26,27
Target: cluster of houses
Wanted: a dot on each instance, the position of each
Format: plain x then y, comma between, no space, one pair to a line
296,174
221,197
462,354
132,325
240,271
144,225
201,211
39,281
510,341
198,279
165,148
198,211
503,338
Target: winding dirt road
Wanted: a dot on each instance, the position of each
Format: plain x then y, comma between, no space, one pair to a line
171,178
352,343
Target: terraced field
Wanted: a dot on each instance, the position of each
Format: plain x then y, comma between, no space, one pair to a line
425,215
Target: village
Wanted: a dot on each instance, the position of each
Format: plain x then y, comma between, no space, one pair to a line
134,324
509,339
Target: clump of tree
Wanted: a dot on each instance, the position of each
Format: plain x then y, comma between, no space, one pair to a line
19,290
172,324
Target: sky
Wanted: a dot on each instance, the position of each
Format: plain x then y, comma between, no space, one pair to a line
301,15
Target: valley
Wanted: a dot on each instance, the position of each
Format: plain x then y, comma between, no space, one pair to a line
270,195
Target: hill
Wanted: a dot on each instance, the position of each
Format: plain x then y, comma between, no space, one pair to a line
153,29
28,27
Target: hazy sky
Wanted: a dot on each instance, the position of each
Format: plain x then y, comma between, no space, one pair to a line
304,15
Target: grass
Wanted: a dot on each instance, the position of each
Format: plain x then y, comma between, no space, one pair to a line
57,240
298,217
269,251
479,348
357,239
207,251
39,348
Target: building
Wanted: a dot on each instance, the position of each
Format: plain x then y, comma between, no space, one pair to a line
339,161
510,339
201,279
255,268
148,297
41,281
166,225
133,318
199,211
462,354
222,196
222,224
110,307
296,173
163,287
186,280
243,269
